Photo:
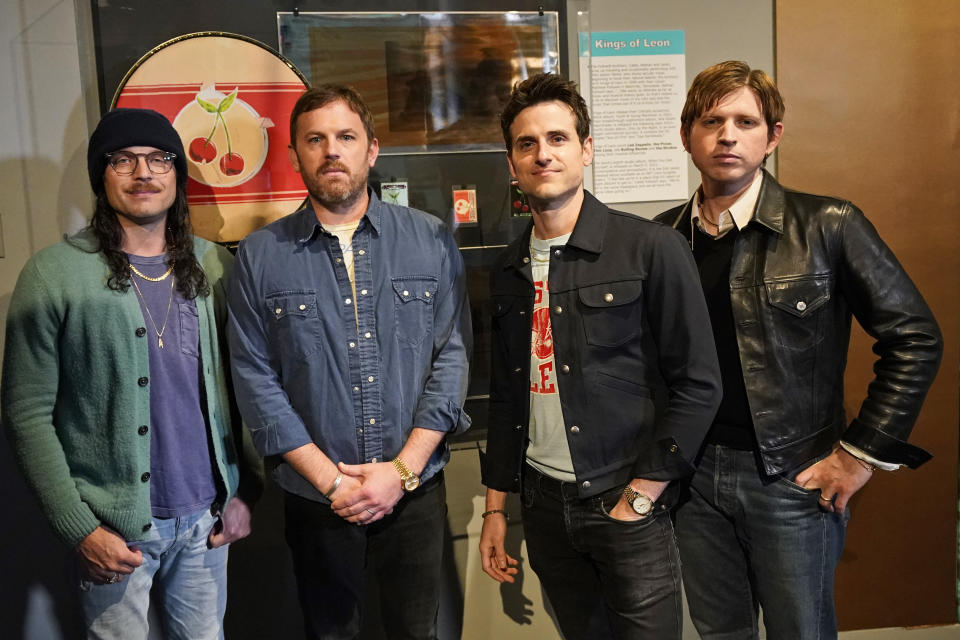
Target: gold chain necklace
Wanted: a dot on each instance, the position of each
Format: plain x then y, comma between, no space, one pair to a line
148,278
147,309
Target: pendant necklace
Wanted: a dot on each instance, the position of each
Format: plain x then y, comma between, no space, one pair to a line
146,308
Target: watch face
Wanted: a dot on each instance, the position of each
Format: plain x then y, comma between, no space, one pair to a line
642,504
411,483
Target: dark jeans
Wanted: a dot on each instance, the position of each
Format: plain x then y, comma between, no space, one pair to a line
748,539
604,578
333,560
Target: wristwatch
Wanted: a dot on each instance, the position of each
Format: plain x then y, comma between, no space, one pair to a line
409,479
642,504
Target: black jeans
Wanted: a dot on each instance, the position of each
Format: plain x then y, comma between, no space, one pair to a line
605,578
333,561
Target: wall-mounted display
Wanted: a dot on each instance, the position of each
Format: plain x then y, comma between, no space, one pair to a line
229,97
436,81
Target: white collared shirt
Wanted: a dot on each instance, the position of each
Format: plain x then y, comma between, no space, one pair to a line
740,212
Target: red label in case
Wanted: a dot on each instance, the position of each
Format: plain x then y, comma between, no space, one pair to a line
465,206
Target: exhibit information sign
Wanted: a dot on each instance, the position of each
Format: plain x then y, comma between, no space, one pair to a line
634,82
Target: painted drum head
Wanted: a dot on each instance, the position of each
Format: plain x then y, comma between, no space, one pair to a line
229,97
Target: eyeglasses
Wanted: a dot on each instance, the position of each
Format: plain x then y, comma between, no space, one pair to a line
125,163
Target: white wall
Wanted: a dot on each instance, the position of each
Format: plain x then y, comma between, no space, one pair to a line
43,137
43,180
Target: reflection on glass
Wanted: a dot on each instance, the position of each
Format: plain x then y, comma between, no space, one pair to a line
436,82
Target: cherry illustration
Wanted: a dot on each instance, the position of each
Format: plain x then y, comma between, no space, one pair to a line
202,150
231,164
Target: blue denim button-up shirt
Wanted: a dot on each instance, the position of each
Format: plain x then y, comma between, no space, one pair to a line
305,370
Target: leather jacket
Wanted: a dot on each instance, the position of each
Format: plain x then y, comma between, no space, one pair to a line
799,270
638,377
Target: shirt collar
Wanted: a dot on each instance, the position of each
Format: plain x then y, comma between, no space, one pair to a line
741,211
307,225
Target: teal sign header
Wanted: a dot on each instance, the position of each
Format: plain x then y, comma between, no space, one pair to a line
631,43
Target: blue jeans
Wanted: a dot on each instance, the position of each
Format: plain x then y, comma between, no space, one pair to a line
605,578
338,564
747,539
192,581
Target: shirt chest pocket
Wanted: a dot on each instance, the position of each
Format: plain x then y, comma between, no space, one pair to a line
294,324
611,312
795,309
415,297
189,329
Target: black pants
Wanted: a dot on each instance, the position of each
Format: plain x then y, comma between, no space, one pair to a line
605,578
333,561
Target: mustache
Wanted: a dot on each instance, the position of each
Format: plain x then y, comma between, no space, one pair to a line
334,164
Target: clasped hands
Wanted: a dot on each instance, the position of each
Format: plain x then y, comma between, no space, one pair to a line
367,492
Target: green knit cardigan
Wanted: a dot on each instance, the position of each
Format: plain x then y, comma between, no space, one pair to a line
75,391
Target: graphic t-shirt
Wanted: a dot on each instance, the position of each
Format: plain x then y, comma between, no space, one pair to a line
548,452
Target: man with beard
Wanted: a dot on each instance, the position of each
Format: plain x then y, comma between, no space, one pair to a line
351,331
117,402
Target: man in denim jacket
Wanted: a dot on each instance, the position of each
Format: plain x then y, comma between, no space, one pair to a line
598,319
350,332
783,272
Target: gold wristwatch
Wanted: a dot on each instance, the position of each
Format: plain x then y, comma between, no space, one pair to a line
409,479
642,504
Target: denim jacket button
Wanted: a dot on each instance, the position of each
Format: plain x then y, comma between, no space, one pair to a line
801,305
565,368
608,297
574,429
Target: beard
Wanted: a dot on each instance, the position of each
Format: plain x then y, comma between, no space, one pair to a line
335,193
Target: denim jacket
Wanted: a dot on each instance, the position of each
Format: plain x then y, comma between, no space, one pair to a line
638,380
800,270
305,372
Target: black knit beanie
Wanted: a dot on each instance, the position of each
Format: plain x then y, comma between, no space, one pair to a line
122,128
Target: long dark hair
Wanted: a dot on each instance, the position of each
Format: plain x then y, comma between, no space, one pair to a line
191,281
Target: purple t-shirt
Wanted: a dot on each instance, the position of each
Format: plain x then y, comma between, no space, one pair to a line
181,469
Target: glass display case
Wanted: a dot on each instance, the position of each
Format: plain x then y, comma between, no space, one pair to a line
435,77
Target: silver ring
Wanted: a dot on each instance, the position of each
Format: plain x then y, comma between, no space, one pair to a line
115,578
371,512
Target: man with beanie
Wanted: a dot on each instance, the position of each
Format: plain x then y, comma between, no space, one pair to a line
116,395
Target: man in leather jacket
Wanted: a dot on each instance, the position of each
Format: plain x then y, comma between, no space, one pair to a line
783,272
598,315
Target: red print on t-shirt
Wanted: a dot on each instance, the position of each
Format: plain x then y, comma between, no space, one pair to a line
541,343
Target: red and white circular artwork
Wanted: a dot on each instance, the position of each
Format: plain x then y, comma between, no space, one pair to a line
229,97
